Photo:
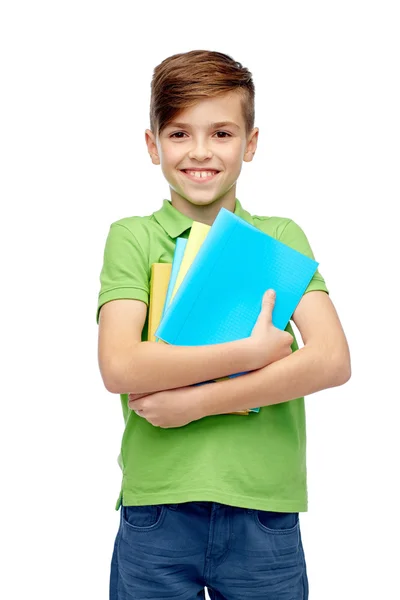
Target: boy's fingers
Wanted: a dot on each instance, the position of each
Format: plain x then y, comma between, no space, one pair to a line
134,405
136,396
268,301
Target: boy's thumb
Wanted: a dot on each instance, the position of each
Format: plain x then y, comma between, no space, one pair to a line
268,300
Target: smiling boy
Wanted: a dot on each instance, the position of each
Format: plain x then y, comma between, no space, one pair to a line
209,499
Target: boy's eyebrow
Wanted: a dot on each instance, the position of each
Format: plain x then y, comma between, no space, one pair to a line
211,125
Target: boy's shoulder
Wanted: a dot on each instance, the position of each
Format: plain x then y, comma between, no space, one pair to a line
273,225
138,225
133,221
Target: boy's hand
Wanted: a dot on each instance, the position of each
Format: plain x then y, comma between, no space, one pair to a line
168,408
270,342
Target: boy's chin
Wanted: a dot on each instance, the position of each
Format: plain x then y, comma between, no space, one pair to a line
195,201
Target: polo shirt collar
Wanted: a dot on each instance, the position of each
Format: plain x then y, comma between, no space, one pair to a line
175,223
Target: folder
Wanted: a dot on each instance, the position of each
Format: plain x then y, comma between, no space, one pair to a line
162,276
180,247
219,299
198,234
159,280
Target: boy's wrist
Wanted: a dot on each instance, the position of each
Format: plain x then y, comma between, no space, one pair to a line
203,399
197,397
251,353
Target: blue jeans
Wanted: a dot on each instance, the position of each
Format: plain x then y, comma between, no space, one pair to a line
174,551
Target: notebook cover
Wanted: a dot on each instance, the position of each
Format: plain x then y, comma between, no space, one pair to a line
159,279
220,298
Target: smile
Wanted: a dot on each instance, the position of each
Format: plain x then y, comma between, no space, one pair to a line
201,177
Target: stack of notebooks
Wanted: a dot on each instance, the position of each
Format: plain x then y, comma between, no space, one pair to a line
212,291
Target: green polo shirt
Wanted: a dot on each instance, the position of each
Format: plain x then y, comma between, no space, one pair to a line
256,461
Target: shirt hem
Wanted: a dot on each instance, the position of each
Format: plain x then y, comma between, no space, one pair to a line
128,498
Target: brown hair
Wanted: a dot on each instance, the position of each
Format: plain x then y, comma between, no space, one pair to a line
182,80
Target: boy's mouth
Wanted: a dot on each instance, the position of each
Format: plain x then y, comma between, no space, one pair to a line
200,176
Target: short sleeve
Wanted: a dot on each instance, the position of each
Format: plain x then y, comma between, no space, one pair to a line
125,271
293,236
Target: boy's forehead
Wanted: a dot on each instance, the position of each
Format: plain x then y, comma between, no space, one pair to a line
212,111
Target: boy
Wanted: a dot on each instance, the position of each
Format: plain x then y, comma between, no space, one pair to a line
209,499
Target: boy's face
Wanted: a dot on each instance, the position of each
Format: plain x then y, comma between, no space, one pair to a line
199,145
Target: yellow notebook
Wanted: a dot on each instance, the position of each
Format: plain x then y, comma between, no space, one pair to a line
198,234
159,280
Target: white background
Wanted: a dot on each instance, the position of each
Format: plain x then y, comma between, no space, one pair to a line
75,80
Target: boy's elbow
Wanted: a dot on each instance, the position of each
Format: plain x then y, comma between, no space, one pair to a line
119,385
111,380
342,369
107,373
126,381
345,374
112,385
121,378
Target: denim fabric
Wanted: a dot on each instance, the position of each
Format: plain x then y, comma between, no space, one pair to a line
175,551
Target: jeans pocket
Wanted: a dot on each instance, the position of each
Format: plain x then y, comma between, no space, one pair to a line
277,522
143,517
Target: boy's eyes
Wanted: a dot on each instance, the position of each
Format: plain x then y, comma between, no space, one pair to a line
178,132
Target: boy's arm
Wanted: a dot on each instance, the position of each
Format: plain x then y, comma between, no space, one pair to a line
128,365
323,362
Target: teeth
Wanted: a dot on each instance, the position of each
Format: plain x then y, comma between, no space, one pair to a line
201,174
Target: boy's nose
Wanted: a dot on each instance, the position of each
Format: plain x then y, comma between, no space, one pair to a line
200,152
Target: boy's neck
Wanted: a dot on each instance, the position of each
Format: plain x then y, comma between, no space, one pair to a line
203,214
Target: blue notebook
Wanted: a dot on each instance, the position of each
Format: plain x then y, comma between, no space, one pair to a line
220,298
176,263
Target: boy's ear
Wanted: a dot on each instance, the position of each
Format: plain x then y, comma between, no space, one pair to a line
152,146
248,155
251,145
